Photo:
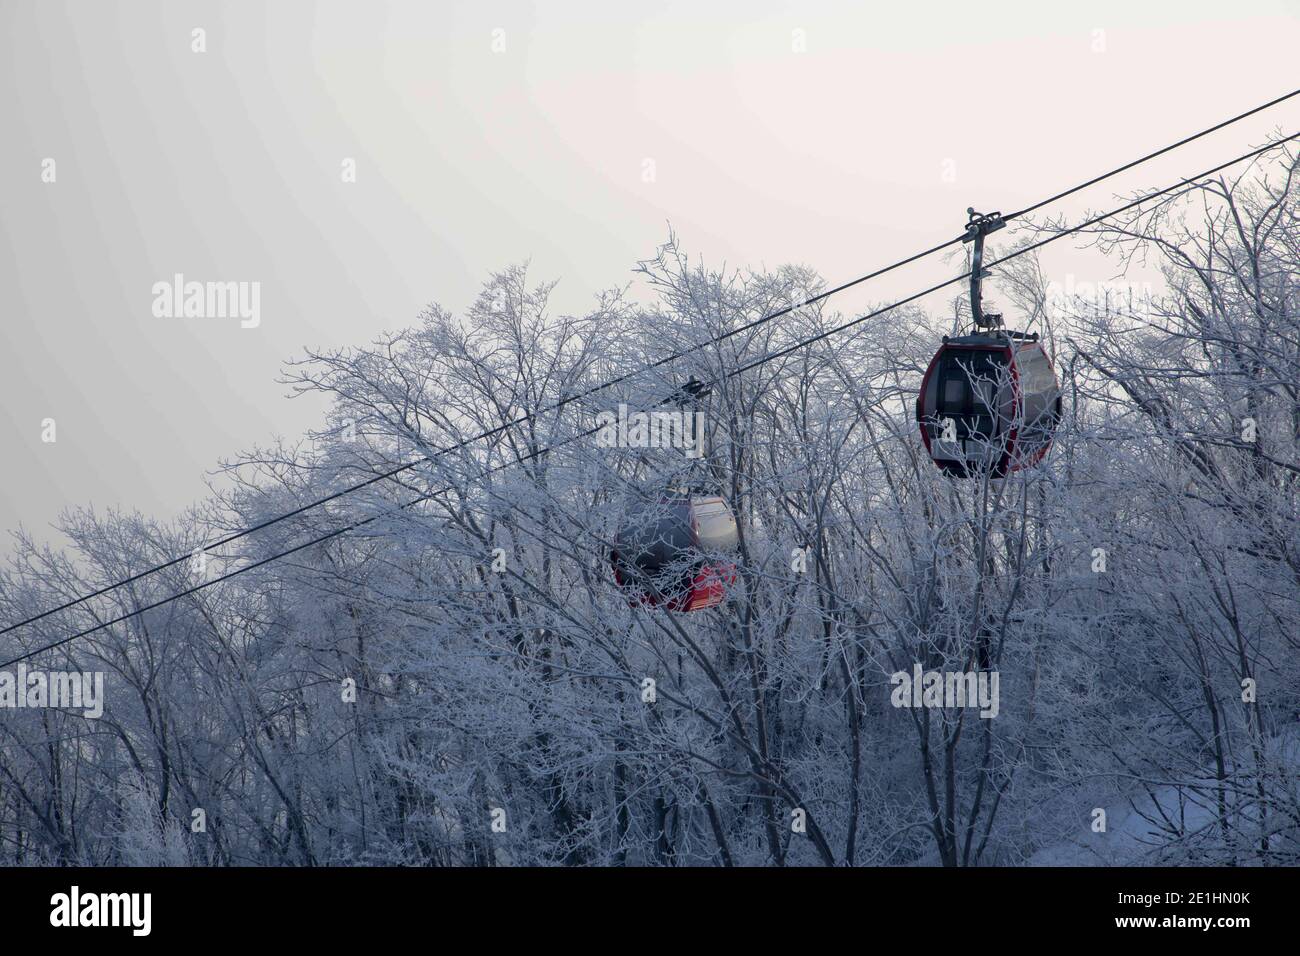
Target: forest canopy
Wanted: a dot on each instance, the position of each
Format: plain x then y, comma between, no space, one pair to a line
460,681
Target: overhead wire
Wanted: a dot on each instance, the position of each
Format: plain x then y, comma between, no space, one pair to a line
682,353
768,357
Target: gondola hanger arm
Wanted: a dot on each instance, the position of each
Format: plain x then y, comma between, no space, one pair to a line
979,225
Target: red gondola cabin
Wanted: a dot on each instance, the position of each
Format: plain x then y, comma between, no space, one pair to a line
673,555
988,402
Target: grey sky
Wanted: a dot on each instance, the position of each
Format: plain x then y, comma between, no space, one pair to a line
225,165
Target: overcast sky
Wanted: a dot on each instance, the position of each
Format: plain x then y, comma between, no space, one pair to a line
837,135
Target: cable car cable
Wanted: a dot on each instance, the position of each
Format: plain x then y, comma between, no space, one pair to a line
321,539
1159,152
731,374
491,433
1019,252
803,343
229,539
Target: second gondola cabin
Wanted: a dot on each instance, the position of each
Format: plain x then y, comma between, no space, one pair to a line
675,554
989,402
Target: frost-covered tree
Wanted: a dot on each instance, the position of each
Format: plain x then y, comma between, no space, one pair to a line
457,680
